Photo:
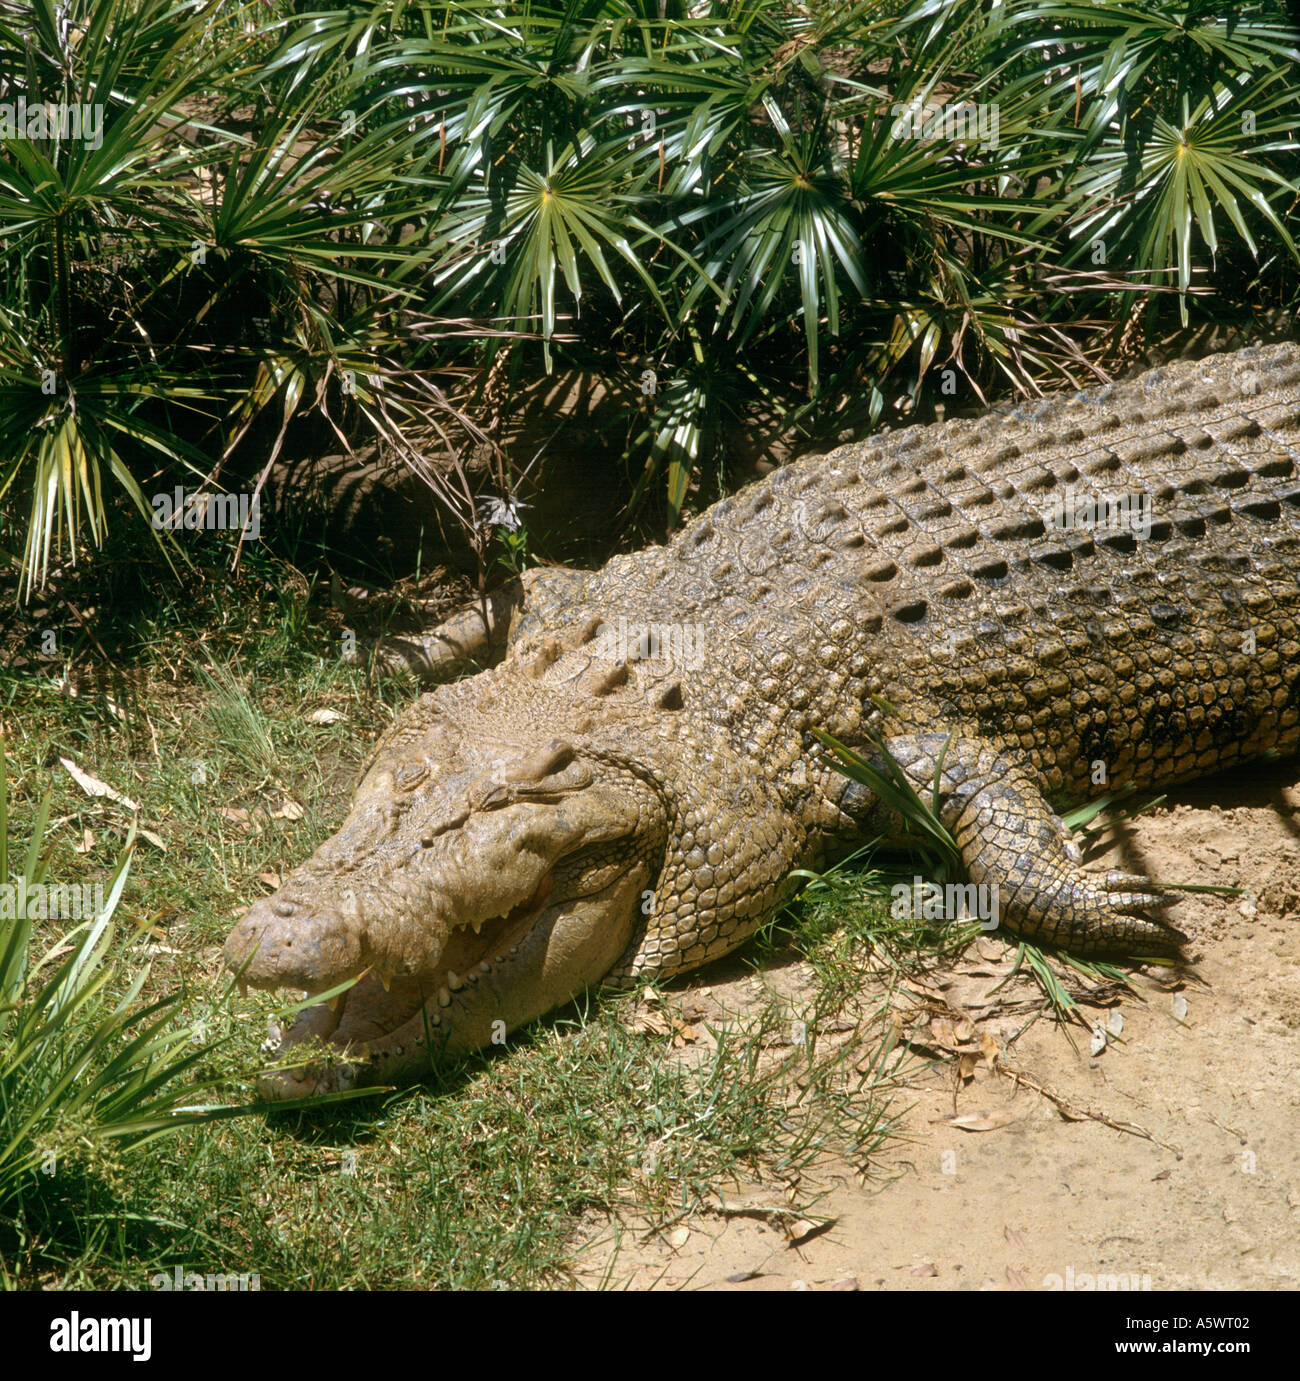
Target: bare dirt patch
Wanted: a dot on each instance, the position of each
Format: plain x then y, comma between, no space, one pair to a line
1168,1159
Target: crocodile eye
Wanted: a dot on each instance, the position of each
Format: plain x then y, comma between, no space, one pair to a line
410,775
559,754
544,762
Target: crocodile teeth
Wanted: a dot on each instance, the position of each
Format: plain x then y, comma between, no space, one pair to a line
444,998
454,980
485,967
383,978
476,926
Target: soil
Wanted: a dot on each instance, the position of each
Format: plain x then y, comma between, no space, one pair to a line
1166,1160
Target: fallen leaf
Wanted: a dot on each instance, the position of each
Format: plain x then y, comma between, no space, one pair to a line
1097,1041
271,879
1163,1175
921,990
848,1283
237,815
326,716
87,842
1015,1279
801,1230
649,1021
983,1122
92,786
156,840
290,810
679,1237
1179,1007
925,1268
1014,1238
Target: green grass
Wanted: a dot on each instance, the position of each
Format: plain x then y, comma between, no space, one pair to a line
469,1184
473,1181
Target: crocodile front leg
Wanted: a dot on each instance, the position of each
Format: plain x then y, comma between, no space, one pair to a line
1010,838
467,642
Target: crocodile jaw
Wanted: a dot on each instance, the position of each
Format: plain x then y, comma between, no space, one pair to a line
533,959
454,933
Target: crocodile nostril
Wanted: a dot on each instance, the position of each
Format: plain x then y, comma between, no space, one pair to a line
285,908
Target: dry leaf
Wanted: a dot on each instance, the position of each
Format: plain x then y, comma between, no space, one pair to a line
1014,1238
1163,1175
1016,1280
801,1230
926,1268
983,1122
156,840
326,716
649,1021
848,1283
87,842
92,786
271,879
679,1237
290,810
921,990
237,815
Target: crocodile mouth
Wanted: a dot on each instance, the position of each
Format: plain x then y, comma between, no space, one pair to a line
378,1006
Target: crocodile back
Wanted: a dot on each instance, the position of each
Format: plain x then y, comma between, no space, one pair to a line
1111,577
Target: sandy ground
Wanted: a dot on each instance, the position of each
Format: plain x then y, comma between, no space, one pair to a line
1168,1159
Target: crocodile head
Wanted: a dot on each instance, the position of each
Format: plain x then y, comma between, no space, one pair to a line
483,876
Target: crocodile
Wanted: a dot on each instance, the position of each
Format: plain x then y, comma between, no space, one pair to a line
1095,591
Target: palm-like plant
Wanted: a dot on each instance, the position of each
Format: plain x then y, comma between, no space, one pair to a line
168,282
1178,108
71,210
87,1069
714,196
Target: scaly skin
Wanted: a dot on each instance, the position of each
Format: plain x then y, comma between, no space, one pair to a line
635,814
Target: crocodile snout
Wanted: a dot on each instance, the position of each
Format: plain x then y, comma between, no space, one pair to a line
283,940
